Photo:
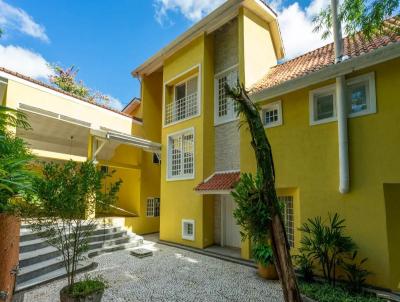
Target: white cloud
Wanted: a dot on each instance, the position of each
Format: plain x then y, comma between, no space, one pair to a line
192,10
114,103
295,22
297,27
14,18
24,61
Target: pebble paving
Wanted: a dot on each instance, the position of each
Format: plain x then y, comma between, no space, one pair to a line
171,274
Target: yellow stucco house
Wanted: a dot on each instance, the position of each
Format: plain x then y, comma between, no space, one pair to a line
180,152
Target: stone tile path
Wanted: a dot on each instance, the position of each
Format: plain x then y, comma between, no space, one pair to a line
171,274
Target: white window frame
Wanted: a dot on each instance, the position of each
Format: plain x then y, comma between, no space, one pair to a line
290,234
199,90
184,234
371,93
272,106
155,202
169,175
231,114
323,90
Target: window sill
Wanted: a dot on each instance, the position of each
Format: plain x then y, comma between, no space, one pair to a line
273,125
180,178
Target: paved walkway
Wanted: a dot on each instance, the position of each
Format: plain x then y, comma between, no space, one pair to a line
171,274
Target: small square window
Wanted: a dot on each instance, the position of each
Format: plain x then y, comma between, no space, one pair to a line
271,114
188,229
360,95
323,105
153,207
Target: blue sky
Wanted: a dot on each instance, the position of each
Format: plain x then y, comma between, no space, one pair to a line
106,39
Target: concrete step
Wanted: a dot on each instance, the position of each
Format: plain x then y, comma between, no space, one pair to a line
41,262
49,252
28,235
39,243
51,276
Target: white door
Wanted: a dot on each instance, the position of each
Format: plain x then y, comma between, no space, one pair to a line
231,230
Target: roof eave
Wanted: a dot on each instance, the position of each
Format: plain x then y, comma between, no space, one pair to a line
380,55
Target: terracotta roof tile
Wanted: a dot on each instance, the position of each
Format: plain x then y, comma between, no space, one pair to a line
219,181
317,59
24,77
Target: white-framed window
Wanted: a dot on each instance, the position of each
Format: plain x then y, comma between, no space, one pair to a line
271,114
360,99
360,95
224,107
153,207
188,229
185,101
181,155
287,201
323,105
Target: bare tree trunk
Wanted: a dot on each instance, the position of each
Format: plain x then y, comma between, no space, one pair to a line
265,165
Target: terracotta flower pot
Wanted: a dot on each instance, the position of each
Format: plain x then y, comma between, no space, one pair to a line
93,297
267,272
9,253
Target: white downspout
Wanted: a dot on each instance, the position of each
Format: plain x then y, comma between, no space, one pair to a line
344,179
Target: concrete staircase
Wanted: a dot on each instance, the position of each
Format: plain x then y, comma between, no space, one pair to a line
41,263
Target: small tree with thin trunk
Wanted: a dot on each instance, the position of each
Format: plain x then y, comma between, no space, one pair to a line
264,193
62,211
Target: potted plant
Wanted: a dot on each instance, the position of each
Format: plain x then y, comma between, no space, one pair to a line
62,212
88,290
264,257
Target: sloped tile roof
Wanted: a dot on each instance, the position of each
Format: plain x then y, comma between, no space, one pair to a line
317,59
220,181
26,78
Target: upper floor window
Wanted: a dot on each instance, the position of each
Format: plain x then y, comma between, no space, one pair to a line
225,107
323,105
181,155
360,99
360,93
271,114
184,102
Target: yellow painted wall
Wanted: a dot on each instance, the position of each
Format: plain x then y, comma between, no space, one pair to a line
178,198
258,49
306,158
145,183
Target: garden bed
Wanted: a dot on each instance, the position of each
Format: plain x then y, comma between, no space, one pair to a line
323,292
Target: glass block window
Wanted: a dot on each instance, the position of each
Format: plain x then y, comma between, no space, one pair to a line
181,155
188,229
272,114
287,201
153,207
225,107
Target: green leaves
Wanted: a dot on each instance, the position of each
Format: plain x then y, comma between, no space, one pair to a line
325,242
360,15
252,212
263,254
12,118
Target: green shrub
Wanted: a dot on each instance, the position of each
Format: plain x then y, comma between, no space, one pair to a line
355,273
305,266
323,292
263,254
326,243
87,287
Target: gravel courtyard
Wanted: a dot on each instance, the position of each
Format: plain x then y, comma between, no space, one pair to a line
171,274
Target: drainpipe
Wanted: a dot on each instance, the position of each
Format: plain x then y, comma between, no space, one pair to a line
344,179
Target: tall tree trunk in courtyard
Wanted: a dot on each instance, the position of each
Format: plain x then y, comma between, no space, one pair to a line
265,166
